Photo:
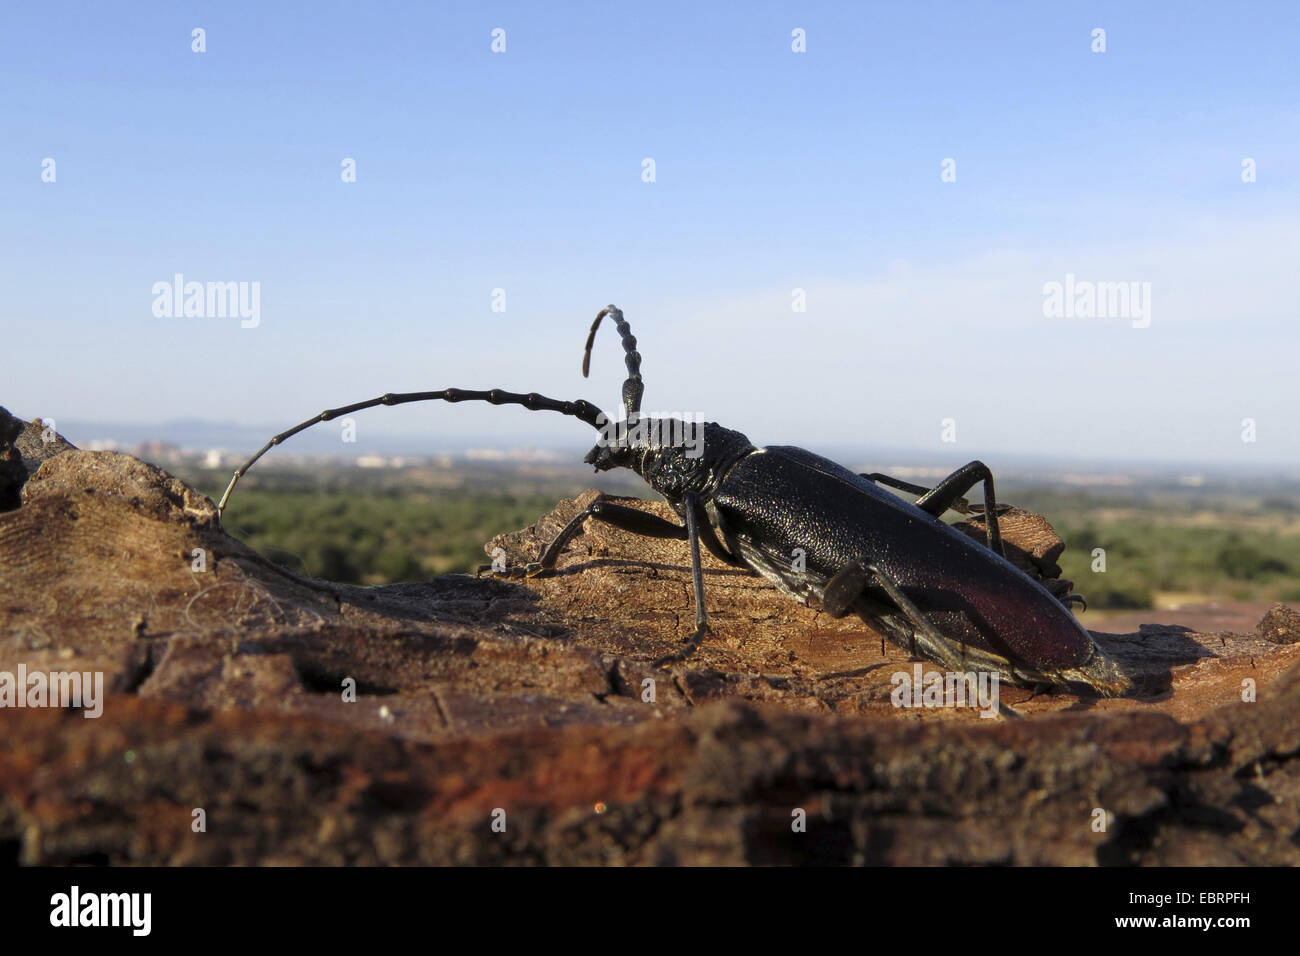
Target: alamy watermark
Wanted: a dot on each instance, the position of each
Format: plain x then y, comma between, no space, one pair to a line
208,300
84,689
670,430
1084,299
923,688
128,910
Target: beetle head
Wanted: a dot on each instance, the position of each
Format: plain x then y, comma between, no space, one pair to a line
673,455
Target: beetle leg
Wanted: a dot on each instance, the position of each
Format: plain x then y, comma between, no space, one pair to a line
644,523
1069,599
844,588
848,583
697,581
948,494
935,500
851,580
621,516
628,519
960,505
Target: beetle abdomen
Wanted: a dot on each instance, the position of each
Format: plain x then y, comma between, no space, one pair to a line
781,500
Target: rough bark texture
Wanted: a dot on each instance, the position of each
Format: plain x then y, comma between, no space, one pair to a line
476,695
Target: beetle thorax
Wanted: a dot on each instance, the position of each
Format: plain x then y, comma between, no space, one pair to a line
674,456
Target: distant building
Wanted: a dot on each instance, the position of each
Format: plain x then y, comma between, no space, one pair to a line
156,451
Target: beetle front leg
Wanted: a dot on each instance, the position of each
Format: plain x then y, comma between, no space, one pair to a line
621,516
644,523
625,518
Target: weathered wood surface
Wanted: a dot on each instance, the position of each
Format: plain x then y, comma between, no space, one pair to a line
476,694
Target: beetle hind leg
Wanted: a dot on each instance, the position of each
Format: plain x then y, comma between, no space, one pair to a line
850,581
1069,599
948,494
847,584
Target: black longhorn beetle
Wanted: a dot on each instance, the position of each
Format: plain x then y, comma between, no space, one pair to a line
911,576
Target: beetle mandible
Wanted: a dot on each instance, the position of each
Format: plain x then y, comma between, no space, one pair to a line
921,583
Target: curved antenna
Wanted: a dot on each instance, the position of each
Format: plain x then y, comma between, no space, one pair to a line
585,411
632,385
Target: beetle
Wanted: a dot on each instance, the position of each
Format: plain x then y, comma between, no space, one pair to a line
817,531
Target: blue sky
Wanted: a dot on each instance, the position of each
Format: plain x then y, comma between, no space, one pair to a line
774,171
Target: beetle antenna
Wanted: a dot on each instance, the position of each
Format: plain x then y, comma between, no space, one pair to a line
632,386
585,411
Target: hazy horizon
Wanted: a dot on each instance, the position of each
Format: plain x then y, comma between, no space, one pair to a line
196,436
